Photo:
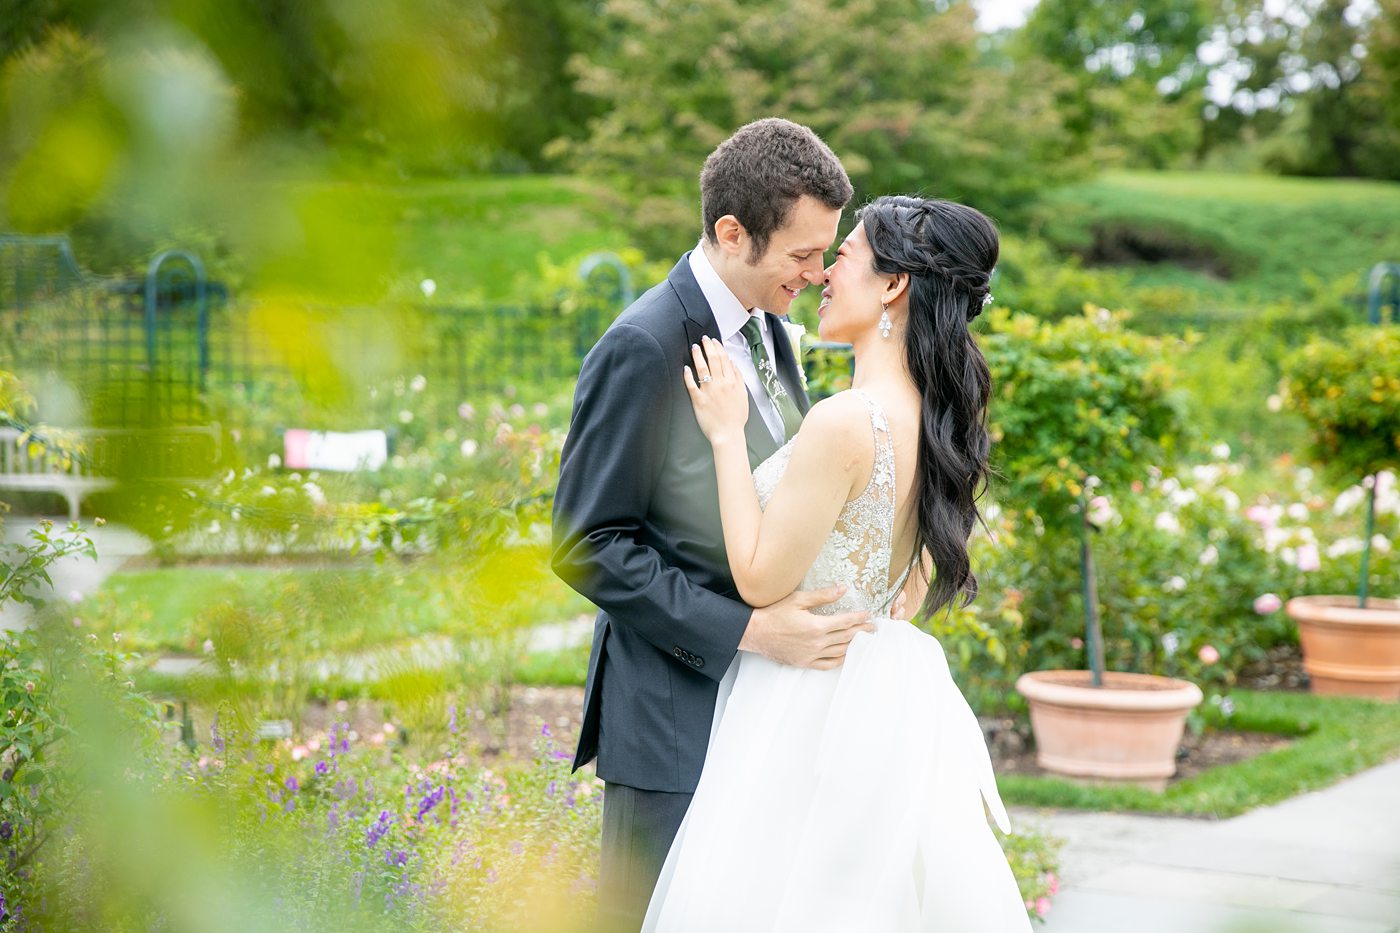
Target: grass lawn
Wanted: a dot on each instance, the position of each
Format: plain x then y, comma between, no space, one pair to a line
1335,737
1273,231
333,609
476,236
565,668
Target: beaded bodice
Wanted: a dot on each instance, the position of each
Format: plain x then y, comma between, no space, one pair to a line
859,550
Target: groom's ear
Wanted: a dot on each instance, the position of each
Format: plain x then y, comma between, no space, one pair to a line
730,235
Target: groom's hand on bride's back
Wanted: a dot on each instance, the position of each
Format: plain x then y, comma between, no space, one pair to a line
789,631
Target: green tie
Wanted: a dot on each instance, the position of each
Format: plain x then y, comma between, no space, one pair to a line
768,375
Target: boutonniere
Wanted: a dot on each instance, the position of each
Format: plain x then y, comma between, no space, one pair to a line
795,333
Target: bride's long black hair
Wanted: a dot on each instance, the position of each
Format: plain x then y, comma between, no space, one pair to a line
948,250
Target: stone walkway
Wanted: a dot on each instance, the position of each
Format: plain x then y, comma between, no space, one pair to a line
1322,862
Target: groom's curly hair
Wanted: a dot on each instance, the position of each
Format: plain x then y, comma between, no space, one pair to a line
760,172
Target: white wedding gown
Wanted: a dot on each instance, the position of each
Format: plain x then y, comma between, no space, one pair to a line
845,800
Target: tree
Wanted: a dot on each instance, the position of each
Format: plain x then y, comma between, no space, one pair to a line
1135,75
1305,80
898,88
1113,41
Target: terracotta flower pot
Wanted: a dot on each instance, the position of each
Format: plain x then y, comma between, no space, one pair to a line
1127,730
1348,650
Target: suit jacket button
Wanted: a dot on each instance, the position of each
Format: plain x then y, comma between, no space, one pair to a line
676,651
699,662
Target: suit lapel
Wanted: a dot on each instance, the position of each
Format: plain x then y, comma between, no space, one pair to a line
700,321
787,363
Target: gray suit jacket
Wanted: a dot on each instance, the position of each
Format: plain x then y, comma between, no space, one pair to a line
637,531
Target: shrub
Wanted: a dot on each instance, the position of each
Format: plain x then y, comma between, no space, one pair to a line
1348,391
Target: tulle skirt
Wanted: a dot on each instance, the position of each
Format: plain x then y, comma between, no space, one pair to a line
846,800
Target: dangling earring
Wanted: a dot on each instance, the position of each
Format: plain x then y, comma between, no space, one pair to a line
885,322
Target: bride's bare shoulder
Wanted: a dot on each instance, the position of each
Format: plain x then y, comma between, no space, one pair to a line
839,423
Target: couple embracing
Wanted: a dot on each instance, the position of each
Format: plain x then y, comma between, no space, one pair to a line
781,751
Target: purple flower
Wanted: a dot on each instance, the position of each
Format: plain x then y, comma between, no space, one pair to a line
292,783
3,910
214,736
393,858
378,829
544,730
430,800
452,719
323,768
340,738
7,830
549,791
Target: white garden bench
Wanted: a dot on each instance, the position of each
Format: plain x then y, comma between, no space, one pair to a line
30,466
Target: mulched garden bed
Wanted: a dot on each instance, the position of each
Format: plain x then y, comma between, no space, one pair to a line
511,733
1281,668
1013,753
559,707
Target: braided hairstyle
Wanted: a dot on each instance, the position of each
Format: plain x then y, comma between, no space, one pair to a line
948,251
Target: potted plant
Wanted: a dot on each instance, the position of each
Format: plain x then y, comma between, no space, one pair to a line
1083,405
1348,391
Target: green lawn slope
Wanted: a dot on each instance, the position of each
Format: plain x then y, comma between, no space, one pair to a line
1251,237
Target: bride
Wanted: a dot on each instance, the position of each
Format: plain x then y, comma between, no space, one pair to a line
852,798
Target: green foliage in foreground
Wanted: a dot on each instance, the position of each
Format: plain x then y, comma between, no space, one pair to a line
1225,236
1334,737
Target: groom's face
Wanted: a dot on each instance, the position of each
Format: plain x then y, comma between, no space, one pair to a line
793,260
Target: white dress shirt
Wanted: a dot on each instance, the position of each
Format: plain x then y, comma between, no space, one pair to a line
731,316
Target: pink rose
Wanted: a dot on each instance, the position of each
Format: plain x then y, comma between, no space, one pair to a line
1042,906
1308,558
1267,603
1076,643
1053,881
1260,514
1208,654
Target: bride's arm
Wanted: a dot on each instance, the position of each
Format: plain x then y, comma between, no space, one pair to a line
770,550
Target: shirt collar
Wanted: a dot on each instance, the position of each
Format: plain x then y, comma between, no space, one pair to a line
730,314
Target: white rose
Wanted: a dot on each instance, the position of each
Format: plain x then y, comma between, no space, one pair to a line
795,333
1182,497
1343,546
1170,642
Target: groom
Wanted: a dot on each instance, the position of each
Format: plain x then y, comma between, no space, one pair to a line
636,514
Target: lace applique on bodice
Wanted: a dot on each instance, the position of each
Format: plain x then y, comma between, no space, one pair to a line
860,548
